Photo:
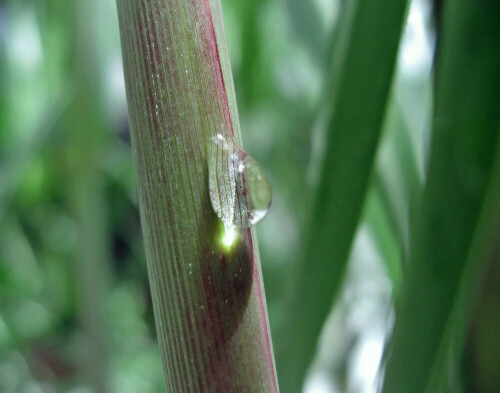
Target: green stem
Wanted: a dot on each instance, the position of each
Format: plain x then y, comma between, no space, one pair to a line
87,143
208,298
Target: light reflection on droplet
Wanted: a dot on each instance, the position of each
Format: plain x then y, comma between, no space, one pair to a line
239,189
229,236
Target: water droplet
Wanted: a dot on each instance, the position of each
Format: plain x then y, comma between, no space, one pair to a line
239,189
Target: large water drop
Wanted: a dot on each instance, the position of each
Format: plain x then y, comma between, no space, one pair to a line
240,192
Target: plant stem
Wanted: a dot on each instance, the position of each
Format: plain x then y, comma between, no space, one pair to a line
87,143
208,299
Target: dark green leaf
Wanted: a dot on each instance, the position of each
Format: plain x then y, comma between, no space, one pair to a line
362,69
466,125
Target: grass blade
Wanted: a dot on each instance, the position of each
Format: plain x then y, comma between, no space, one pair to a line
362,71
466,125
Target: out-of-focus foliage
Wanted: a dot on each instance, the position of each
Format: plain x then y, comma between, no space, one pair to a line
52,141
75,310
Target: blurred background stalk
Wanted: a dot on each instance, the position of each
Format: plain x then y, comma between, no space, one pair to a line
87,142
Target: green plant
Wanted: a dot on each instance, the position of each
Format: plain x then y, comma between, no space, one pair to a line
456,225
384,165
207,292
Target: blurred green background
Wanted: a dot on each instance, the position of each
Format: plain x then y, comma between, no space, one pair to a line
75,308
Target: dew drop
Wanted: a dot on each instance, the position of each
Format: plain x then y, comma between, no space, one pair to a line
239,189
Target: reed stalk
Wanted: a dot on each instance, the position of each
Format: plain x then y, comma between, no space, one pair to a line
208,297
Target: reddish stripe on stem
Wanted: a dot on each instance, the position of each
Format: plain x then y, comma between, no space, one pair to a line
215,50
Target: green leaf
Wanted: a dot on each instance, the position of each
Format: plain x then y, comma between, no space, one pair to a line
397,175
362,70
378,218
466,123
